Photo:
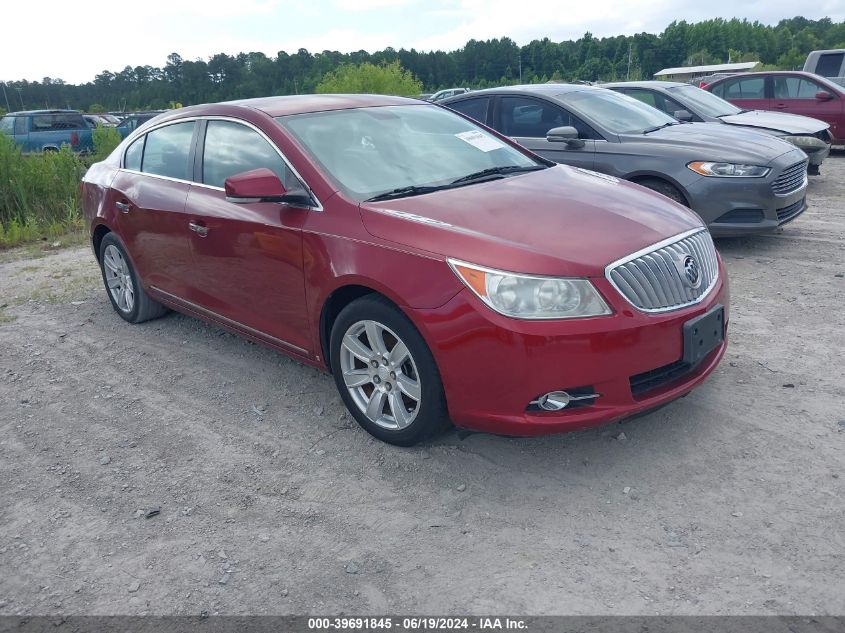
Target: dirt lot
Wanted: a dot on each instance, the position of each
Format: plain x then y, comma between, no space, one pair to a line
729,501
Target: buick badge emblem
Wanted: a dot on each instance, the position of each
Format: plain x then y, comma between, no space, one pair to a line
690,272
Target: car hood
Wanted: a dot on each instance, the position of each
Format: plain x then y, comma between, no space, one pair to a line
558,221
714,141
778,121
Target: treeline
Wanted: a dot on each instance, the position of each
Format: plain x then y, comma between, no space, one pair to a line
478,64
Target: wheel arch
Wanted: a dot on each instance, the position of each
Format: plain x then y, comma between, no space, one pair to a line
334,303
639,177
97,235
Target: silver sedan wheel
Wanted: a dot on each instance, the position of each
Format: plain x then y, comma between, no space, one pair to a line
380,374
119,279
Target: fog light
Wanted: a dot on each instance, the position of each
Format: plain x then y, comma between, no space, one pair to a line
557,400
554,400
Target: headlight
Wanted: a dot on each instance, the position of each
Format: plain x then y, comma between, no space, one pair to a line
531,297
731,170
810,142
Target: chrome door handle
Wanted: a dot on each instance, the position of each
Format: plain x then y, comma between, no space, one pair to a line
124,207
199,229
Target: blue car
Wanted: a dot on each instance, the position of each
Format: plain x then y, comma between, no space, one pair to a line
47,130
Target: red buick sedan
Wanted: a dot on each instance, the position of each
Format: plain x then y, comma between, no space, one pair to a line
438,270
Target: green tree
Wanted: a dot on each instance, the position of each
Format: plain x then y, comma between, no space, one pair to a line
387,79
96,108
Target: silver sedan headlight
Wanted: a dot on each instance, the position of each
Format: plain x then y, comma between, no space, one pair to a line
531,297
809,142
728,170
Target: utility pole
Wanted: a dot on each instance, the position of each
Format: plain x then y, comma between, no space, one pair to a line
20,97
520,67
628,74
6,97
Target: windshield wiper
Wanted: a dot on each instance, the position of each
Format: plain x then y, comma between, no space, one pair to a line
416,190
497,171
660,127
401,192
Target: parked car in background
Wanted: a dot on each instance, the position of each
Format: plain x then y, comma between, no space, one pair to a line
795,92
829,64
134,120
424,96
448,92
708,79
737,181
437,269
48,130
98,119
688,103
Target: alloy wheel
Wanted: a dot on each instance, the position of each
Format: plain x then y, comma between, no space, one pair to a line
119,279
380,375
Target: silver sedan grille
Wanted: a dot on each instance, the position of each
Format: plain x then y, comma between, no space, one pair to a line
672,274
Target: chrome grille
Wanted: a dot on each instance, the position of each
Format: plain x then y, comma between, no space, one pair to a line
793,178
651,279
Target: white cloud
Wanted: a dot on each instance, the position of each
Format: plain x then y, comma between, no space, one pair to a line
369,5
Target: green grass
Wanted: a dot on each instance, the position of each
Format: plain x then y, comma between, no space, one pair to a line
39,193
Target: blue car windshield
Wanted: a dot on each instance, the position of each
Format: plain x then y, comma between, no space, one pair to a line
374,150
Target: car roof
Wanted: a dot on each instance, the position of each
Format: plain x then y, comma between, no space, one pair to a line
26,112
550,90
763,73
655,83
299,104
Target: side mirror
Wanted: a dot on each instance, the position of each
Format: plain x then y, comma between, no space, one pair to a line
683,115
565,134
261,185
824,95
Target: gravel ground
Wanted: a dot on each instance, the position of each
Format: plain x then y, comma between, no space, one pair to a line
270,500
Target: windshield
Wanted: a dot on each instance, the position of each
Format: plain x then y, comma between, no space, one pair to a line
372,151
704,102
617,113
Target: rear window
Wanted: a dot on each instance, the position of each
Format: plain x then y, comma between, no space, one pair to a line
58,121
830,64
7,125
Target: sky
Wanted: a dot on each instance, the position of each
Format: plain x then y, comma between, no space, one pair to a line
75,41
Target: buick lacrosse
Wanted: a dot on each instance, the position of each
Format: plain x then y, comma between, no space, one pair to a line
438,270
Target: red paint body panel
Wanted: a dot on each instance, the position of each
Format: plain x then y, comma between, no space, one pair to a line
248,266
547,222
266,270
492,369
830,111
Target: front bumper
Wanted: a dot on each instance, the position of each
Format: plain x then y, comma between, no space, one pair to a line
741,206
492,367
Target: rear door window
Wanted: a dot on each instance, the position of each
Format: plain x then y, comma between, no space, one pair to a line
750,88
20,125
167,150
58,121
473,108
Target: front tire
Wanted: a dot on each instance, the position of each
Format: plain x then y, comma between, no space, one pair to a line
386,374
124,289
666,188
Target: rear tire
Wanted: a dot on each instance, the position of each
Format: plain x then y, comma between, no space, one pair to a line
386,374
123,287
665,188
